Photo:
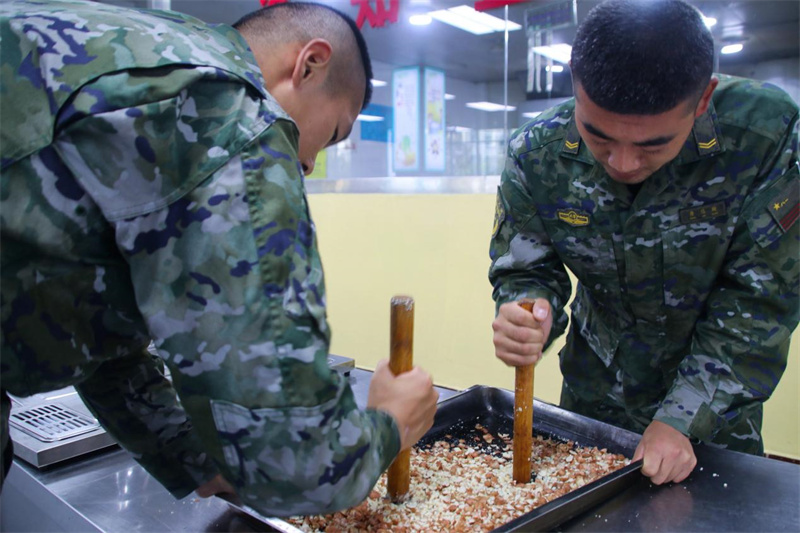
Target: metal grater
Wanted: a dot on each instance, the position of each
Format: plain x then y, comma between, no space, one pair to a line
52,422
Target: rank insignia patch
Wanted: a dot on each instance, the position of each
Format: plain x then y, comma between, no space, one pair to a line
785,207
573,217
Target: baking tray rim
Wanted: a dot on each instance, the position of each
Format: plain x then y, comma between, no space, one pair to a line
542,518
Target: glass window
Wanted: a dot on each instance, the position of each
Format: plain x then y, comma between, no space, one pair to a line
446,97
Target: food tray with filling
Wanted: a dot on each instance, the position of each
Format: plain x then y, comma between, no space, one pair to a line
493,409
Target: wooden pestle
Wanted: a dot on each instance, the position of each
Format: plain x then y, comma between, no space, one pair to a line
523,415
401,359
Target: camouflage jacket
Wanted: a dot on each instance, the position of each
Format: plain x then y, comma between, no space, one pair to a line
151,189
687,292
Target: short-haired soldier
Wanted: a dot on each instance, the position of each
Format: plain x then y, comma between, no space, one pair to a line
671,194
151,187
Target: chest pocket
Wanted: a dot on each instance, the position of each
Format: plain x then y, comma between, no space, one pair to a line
694,253
591,256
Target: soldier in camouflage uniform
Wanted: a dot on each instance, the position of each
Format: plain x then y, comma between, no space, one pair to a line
672,195
152,188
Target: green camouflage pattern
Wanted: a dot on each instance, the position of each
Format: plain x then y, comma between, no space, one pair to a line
687,292
151,190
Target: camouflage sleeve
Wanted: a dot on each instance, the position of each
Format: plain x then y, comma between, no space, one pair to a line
740,347
524,262
137,406
225,267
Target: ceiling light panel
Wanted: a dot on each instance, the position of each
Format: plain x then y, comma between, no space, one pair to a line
557,52
495,23
457,21
369,118
732,48
467,19
489,106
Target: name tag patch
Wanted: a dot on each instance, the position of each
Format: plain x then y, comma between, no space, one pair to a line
573,217
702,213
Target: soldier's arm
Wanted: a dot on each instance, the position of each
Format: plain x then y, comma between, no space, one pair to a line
212,218
740,347
137,405
524,262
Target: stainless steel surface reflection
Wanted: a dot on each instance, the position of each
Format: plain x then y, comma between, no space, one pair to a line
109,491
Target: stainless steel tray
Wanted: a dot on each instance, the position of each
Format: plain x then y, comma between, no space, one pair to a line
494,409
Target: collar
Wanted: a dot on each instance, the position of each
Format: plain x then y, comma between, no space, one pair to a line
573,147
704,141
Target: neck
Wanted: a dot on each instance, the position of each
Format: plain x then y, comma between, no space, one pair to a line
275,64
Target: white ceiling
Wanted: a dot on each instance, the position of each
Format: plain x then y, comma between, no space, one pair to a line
770,29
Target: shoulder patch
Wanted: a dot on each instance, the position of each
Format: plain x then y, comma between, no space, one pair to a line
499,215
785,207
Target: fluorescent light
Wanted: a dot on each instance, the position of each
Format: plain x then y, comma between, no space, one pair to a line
532,114
448,96
378,83
420,20
732,48
467,19
448,17
709,21
497,24
369,118
557,52
459,129
489,106
554,68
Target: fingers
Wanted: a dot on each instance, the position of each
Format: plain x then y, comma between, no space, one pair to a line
667,454
409,398
518,336
639,453
382,367
651,467
217,485
682,466
541,309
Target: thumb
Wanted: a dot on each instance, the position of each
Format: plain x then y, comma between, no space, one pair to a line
541,309
639,453
382,367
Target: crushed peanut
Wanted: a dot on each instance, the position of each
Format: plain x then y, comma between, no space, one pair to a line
467,486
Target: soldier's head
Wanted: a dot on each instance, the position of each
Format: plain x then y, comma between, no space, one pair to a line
315,63
642,72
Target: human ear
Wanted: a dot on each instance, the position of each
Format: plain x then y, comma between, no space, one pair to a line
705,100
312,62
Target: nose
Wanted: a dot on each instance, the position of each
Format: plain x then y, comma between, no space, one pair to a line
624,160
308,166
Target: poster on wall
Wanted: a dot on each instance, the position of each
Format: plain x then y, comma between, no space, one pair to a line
405,101
434,120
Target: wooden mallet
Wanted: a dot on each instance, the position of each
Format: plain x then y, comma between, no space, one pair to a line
523,415
401,359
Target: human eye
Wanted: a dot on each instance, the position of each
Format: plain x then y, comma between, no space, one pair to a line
652,151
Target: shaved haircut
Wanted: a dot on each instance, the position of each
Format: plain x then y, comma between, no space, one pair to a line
300,22
643,57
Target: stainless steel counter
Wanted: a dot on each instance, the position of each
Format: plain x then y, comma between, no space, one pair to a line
108,491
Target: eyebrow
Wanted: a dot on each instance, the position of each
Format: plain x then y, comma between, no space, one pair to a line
655,141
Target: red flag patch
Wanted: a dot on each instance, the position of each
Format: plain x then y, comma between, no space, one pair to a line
785,207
